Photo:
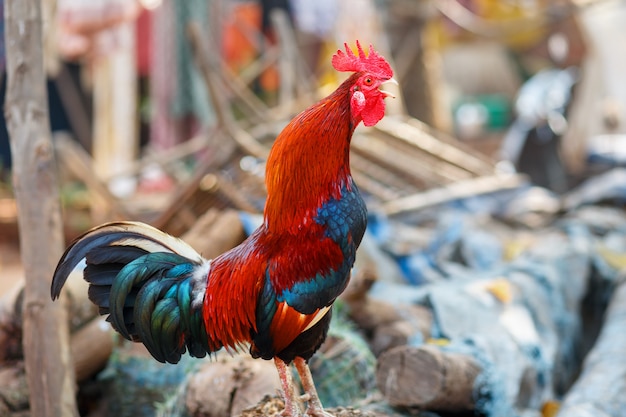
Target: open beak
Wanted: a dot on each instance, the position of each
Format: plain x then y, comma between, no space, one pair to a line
387,93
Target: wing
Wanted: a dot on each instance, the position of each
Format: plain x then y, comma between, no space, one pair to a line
307,271
299,287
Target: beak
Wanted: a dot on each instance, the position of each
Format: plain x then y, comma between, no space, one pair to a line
387,93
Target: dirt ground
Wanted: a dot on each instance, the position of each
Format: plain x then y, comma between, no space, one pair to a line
272,406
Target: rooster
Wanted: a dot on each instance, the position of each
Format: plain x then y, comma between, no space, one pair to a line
274,292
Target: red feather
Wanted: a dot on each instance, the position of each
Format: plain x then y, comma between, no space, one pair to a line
288,324
233,285
300,181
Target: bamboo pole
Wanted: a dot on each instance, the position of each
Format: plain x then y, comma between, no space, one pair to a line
49,370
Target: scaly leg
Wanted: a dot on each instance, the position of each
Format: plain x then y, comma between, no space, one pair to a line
292,404
315,408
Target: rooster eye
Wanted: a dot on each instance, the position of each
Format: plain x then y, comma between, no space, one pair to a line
368,81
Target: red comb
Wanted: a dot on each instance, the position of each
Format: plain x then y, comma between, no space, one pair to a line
374,63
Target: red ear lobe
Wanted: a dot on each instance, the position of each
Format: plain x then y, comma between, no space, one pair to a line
374,63
357,104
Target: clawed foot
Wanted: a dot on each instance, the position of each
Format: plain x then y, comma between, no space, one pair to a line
314,408
314,412
293,410
310,412
293,401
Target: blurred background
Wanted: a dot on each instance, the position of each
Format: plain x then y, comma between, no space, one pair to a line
495,183
533,86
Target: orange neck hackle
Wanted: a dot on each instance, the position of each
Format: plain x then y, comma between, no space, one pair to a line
309,162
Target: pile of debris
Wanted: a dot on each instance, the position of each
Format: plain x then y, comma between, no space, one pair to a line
494,298
473,293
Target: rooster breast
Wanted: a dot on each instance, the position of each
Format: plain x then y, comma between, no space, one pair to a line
305,276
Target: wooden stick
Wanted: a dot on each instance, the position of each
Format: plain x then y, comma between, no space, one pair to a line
115,143
409,133
69,93
457,190
294,79
215,232
207,67
46,336
78,162
410,165
389,324
91,347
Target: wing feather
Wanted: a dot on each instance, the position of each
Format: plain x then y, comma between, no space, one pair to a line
288,324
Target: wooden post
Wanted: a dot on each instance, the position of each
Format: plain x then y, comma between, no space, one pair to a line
49,371
115,117
427,378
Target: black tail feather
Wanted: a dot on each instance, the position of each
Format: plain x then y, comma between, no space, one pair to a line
144,280
118,242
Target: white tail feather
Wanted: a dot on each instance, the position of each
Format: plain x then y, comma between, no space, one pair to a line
157,241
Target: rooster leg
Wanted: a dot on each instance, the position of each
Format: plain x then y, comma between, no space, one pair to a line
292,405
315,408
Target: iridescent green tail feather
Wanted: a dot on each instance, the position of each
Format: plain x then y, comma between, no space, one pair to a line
146,285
